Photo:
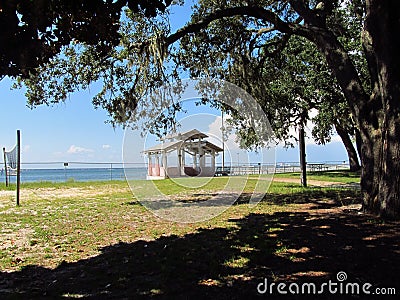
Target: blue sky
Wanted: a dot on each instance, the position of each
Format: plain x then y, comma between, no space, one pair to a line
75,131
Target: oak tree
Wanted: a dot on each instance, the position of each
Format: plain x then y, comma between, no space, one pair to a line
147,56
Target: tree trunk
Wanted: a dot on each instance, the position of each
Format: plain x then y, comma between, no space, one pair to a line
351,151
380,179
378,115
358,143
380,124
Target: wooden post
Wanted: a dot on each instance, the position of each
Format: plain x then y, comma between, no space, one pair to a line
302,146
213,161
183,162
18,163
65,171
157,164
5,165
165,163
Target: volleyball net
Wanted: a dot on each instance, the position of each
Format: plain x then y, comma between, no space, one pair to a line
12,164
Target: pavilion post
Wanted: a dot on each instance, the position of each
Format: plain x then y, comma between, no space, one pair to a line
149,167
164,162
213,160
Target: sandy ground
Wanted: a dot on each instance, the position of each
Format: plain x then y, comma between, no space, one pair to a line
315,182
68,192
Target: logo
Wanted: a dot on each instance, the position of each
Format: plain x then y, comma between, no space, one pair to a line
330,287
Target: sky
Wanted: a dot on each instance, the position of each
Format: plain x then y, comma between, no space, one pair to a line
75,132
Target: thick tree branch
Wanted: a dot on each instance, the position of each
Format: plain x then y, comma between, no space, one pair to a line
279,46
250,11
261,31
312,17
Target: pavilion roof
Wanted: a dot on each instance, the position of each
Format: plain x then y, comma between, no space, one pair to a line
191,134
183,138
164,147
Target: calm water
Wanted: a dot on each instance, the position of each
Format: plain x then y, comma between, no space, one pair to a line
101,174
79,174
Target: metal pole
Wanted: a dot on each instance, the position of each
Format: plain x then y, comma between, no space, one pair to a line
223,140
302,146
111,166
18,163
5,165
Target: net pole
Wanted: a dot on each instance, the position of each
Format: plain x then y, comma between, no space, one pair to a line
5,165
18,164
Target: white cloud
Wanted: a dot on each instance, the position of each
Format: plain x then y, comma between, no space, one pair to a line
309,139
215,135
106,146
308,131
26,148
76,150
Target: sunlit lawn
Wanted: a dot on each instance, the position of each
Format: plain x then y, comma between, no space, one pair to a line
59,222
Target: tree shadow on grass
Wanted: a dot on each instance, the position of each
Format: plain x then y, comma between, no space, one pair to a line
227,263
323,197
318,197
338,173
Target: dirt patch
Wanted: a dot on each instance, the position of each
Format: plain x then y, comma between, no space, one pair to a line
52,193
7,193
315,182
56,193
21,238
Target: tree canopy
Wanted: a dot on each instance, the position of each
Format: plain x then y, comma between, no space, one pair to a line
33,31
290,69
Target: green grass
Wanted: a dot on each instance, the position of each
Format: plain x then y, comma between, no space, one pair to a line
170,186
340,176
66,222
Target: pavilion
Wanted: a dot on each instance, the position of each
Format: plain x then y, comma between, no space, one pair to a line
191,143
